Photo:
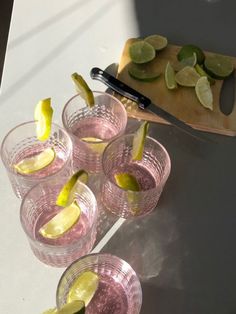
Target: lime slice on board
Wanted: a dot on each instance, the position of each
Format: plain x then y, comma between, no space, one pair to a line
218,66
188,77
61,222
190,61
43,116
36,162
94,144
141,52
170,77
157,41
84,287
204,93
139,141
127,181
142,72
65,196
83,88
188,50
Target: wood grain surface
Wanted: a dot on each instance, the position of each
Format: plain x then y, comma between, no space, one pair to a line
182,102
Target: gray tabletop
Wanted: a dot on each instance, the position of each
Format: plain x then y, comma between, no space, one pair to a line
184,251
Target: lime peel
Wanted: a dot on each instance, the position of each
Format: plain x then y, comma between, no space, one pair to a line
37,162
84,90
61,222
65,197
43,116
139,141
84,287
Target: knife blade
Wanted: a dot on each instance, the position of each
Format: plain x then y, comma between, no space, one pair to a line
143,101
227,95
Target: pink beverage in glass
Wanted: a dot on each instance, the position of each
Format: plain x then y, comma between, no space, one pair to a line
39,206
21,142
119,290
151,173
100,124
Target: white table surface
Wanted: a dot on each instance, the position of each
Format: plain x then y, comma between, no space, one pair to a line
48,40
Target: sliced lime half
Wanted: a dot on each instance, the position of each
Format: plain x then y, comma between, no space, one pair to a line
218,66
36,162
157,41
141,52
84,287
143,72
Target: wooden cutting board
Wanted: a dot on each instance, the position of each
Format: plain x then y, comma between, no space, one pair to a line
182,102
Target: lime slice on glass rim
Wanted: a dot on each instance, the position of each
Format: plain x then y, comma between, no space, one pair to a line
65,197
75,307
187,52
170,77
37,162
204,93
61,222
127,181
43,116
84,90
143,72
188,77
218,66
139,141
157,41
141,52
84,287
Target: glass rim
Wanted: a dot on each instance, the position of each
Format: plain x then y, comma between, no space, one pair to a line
28,177
101,255
59,247
99,93
165,177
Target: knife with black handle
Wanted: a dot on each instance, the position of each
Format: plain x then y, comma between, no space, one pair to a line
143,101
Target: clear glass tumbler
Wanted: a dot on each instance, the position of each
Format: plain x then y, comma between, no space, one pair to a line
119,290
21,142
92,129
151,173
39,206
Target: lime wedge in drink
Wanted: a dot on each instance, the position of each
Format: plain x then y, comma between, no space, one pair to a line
141,52
61,222
43,116
204,93
201,72
65,196
84,287
188,50
218,66
83,88
142,72
139,141
36,163
75,307
157,41
98,147
170,77
188,77
126,181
